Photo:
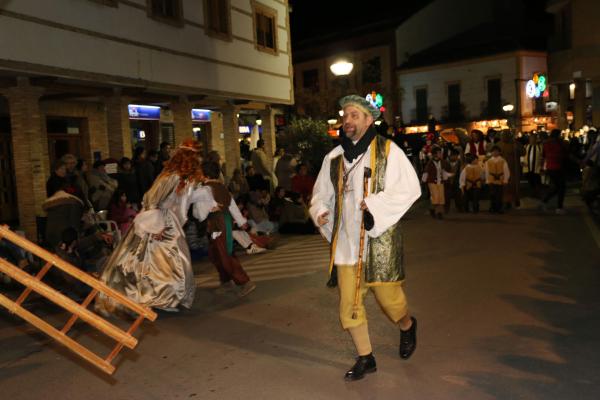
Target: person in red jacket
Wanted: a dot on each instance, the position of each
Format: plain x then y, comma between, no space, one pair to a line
555,153
302,183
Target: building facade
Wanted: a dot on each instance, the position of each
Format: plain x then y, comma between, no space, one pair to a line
574,61
473,93
461,62
97,78
372,53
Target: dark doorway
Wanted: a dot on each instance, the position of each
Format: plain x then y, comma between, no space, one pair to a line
8,190
145,133
66,136
202,133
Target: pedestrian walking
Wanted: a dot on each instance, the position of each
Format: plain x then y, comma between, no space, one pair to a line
219,228
555,154
532,162
436,173
497,175
339,205
511,152
452,190
471,182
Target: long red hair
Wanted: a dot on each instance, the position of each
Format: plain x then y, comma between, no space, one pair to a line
186,163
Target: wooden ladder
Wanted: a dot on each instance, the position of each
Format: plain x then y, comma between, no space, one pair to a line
78,311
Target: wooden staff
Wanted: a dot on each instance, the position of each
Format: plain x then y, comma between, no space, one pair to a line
361,246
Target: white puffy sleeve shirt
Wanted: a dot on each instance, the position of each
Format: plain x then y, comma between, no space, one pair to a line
401,190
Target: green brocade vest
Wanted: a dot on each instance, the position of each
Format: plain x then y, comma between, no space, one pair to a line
384,259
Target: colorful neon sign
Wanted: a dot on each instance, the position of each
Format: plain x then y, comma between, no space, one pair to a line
536,87
376,100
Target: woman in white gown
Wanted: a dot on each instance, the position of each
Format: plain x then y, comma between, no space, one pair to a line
152,264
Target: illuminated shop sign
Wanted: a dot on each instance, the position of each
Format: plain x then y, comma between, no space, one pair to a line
537,86
200,115
143,112
247,129
376,100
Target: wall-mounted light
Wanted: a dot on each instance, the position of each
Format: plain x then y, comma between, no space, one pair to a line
572,91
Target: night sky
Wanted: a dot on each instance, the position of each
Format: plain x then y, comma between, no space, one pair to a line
316,18
312,19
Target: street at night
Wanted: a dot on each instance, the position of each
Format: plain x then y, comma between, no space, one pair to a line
299,199
507,306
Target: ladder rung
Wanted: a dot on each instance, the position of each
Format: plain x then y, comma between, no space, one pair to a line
55,334
119,346
40,275
40,287
75,317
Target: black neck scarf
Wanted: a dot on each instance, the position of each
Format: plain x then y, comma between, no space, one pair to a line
353,151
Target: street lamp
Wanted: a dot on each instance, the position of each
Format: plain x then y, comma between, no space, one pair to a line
507,108
332,121
341,68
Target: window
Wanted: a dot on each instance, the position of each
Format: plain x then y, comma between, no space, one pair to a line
421,97
454,108
494,94
371,71
265,28
310,79
169,11
217,18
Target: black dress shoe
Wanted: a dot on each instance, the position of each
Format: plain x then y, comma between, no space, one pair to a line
333,282
364,365
408,340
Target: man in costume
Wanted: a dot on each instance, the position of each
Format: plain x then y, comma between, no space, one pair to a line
337,207
219,228
435,175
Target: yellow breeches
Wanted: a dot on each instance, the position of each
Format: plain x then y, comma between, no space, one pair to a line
390,297
436,191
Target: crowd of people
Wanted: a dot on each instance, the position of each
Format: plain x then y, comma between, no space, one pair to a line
83,204
272,194
492,165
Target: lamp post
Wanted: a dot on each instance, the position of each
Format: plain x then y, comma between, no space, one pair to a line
341,67
508,110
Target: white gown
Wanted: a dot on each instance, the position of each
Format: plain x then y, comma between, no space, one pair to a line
151,272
